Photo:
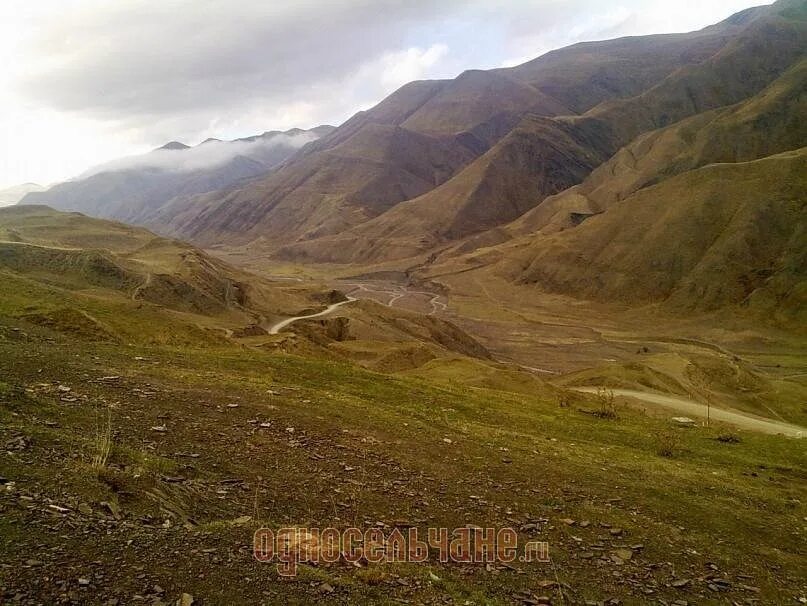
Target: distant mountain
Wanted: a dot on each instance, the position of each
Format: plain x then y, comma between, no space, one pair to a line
14,194
132,189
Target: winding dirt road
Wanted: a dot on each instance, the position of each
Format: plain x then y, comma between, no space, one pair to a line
399,292
696,409
284,323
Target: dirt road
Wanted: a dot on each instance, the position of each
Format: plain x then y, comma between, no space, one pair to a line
696,409
284,323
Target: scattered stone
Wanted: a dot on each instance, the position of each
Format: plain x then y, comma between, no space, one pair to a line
624,554
679,583
326,588
159,428
185,600
83,582
18,443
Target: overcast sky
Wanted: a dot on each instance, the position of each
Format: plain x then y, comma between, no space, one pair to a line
85,81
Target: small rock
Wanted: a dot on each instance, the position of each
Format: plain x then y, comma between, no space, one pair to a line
326,588
681,583
185,600
624,554
83,582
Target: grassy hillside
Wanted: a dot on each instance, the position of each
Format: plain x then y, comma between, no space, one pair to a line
162,459
725,234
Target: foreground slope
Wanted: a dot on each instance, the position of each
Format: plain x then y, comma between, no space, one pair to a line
138,469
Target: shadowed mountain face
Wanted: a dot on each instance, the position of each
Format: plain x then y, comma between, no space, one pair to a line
133,189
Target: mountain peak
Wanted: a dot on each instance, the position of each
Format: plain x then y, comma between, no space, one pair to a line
173,145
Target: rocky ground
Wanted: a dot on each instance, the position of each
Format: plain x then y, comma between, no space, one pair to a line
138,475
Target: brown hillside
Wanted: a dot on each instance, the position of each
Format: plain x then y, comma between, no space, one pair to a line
544,156
325,189
724,234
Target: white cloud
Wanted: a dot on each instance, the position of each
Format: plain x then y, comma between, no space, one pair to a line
207,155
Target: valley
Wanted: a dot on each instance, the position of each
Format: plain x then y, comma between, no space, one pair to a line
566,298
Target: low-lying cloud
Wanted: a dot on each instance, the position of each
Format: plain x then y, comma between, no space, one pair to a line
210,154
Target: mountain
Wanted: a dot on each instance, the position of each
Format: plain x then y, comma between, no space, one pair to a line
524,133
706,213
530,169
132,189
428,133
544,155
12,195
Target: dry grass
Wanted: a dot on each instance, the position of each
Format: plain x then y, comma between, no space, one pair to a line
102,441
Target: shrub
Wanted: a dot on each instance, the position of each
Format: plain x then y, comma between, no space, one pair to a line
667,443
606,404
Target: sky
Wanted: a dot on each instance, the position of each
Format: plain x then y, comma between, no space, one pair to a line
85,81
